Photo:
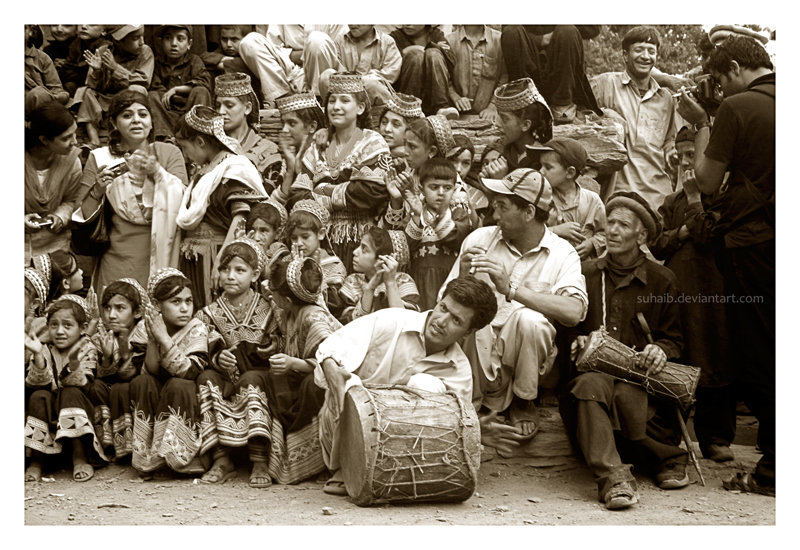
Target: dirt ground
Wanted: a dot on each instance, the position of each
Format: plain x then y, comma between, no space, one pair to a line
510,492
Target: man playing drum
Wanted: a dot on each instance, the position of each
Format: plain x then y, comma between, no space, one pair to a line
610,418
399,346
537,281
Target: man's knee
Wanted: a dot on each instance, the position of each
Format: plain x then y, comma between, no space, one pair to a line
251,43
316,41
531,323
513,35
592,386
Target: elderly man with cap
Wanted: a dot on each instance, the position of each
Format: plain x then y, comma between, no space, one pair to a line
609,418
536,278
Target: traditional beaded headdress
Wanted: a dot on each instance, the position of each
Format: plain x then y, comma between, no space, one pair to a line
345,83
37,280
405,105
281,211
294,272
315,209
44,265
444,135
159,276
206,120
78,300
262,257
295,102
144,299
517,95
400,247
235,85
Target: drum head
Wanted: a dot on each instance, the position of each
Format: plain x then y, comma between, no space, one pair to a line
594,340
358,437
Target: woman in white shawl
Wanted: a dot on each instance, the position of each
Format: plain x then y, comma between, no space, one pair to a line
218,199
143,201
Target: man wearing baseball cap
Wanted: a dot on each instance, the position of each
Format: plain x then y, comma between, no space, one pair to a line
612,420
536,277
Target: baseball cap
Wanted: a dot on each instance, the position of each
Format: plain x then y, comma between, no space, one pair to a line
525,183
570,150
121,31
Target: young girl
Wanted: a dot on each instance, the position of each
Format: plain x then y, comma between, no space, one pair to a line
436,229
174,346
306,229
127,63
266,224
376,283
467,183
347,177
218,198
59,375
61,272
247,325
123,304
302,117
401,109
237,103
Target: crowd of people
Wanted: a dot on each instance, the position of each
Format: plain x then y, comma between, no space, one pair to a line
240,287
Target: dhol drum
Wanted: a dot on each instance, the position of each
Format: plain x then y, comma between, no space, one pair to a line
400,444
602,353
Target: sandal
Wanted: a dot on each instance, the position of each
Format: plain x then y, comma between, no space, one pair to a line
220,475
262,474
621,495
335,485
82,469
519,415
33,473
746,483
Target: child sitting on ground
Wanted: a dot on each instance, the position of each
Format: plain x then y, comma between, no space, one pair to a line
227,48
58,376
467,181
89,39
525,120
58,48
376,282
307,228
265,225
436,229
579,215
42,82
180,79
127,63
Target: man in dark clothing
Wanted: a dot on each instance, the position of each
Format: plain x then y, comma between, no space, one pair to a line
742,142
612,420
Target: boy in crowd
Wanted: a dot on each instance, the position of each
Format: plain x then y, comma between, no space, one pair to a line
180,79
41,79
75,67
579,215
427,64
58,48
227,50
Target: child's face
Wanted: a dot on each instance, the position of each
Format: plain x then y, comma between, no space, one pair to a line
438,193
62,33
62,144
234,111
229,41
177,311
133,42
490,157
463,163
90,32
360,30
511,125
686,154
175,42
134,123
417,153
74,282
364,257
296,128
393,129
553,171
343,110
263,233
236,277
119,314
64,329
412,30
309,240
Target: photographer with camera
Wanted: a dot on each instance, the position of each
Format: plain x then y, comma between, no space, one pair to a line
742,142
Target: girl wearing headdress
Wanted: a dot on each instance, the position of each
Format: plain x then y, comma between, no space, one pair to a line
266,224
376,282
347,176
237,103
218,198
173,349
245,334
401,109
59,411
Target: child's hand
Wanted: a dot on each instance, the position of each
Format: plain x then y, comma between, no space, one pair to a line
390,265
91,301
497,169
280,363
321,138
570,231
106,342
414,202
32,343
584,249
490,113
305,143
227,360
167,97
154,324
406,181
690,186
94,61
392,183
376,279
108,60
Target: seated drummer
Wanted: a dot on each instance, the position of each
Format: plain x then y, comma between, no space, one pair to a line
609,419
400,346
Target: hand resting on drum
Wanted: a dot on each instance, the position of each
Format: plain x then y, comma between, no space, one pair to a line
336,376
652,359
501,436
577,345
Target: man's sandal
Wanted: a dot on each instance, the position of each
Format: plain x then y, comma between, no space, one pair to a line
335,485
746,483
519,415
217,475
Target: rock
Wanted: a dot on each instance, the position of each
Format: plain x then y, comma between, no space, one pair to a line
502,508
443,520
327,511
214,505
349,523
535,500
56,495
166,515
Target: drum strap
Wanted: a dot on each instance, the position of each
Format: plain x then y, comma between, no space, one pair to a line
603,283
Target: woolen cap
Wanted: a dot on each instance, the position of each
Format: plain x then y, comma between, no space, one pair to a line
636,203
525,183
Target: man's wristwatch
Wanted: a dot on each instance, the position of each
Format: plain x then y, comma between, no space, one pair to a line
703,124
512,291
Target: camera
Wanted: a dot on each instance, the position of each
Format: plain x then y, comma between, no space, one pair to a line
119,169
706,93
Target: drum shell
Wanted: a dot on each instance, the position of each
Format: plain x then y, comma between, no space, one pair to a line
401,445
